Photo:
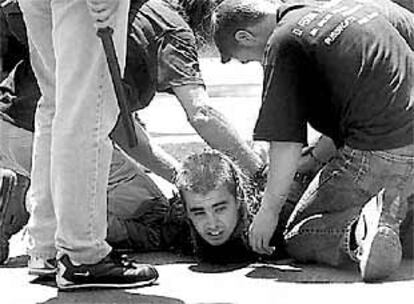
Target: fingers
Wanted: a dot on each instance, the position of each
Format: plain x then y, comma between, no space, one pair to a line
102,12
102,18
259,242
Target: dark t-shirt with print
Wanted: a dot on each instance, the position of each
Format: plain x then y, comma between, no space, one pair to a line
345,70
161,52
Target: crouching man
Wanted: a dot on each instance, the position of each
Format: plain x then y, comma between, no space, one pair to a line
348,70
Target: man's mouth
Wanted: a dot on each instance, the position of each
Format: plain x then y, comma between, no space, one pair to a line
215,234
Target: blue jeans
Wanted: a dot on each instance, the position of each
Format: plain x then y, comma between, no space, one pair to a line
319,228
15,148
78,109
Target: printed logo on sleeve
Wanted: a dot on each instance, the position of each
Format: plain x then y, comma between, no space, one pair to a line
297,32
339,30
325,19
307,19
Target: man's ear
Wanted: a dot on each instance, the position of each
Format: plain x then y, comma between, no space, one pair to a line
244,37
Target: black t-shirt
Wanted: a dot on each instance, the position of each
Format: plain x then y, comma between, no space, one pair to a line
161,52
345,70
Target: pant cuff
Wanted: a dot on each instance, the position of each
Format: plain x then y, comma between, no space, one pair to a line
346,245
90,257
44,255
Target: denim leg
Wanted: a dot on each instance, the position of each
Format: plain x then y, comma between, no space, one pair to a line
407,231
74,151
86,112
137,208
42,222
15,148
319,227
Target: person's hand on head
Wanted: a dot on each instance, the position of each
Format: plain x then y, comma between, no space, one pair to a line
102,12
261,231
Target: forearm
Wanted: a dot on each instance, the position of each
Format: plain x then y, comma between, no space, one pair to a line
156,159
284,160
146,152
214,127
221,135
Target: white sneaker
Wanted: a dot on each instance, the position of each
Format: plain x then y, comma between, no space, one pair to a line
379,250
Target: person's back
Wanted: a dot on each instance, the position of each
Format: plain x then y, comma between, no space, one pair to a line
356,71
156,32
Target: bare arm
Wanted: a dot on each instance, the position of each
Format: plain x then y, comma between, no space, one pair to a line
214,127
146,152
284,160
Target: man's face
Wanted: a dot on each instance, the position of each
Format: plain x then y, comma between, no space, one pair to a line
213,215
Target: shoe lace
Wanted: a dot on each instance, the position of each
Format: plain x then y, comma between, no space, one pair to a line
121,259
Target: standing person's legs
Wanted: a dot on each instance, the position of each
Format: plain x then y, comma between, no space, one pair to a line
320,228
79,150
42,222
86,112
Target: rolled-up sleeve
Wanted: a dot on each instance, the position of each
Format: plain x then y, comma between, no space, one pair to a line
178,62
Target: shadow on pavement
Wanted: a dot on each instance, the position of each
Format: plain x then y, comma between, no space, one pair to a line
312,273
16,262
217,268
160,258
109,297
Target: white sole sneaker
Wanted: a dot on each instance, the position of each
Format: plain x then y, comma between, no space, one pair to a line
42,268
104,274
379,251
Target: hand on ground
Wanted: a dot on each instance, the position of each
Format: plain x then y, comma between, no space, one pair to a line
261,231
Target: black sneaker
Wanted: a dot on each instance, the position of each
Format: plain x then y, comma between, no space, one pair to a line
112,272
13,213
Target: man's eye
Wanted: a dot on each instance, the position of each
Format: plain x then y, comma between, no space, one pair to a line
221,209
198,214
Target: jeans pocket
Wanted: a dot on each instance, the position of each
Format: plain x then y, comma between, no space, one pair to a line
357,164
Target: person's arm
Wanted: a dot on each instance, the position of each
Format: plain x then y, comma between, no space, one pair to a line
146,152
214,128
284,158
316,155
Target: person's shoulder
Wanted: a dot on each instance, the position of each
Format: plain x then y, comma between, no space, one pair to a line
289,27
284,39
164,16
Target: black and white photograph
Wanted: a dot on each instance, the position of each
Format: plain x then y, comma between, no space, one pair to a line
206,151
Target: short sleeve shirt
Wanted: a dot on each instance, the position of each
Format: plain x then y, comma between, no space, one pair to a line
161,52
345,70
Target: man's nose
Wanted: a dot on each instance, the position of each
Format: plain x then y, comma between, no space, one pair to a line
211,220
